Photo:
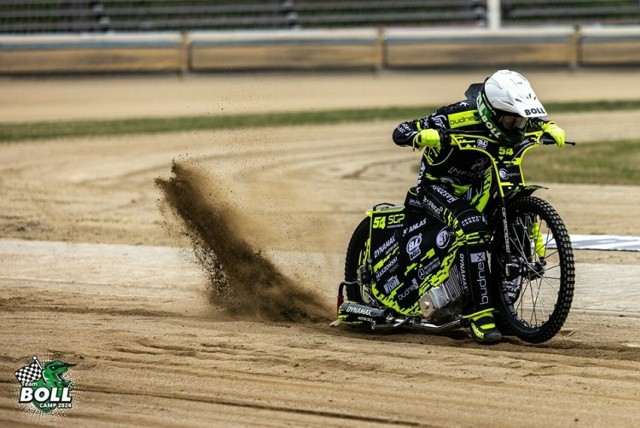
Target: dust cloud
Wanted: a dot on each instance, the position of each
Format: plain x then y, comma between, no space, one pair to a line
240,279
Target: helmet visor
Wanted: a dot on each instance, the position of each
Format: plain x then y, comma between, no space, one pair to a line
511,122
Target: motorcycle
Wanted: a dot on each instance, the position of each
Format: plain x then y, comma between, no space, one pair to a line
402,269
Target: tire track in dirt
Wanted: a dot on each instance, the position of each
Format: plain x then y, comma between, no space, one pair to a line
152,352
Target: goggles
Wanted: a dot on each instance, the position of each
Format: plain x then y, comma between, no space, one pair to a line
512,121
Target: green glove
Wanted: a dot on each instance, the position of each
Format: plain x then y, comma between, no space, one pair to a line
555,132
427,138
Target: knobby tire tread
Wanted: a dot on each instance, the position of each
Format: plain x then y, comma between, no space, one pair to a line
509,325
357,244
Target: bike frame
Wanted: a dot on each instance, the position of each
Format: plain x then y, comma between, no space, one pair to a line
507,168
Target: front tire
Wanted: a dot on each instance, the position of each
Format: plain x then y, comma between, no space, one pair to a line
534,289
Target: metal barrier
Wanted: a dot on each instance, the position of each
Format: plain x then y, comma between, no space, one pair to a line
319,49
150,52
609,46
484,48
309,49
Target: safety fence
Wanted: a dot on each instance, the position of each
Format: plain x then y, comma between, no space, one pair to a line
366,48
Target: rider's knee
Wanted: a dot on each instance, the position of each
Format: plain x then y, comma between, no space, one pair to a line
474,227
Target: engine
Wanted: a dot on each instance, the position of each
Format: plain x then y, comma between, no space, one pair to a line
444,300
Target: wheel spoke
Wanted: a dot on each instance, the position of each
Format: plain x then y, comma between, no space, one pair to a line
543,272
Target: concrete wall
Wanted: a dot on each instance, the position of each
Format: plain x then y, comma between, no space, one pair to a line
319,49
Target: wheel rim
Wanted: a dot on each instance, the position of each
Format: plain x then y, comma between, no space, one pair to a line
533,292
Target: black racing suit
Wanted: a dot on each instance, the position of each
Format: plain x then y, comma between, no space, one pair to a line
449,187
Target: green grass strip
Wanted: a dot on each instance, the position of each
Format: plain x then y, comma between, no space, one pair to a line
15,132
611,162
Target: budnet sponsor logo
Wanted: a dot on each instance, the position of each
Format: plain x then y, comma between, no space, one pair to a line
414,286
479,259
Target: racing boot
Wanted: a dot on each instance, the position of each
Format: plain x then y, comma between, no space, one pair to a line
483,327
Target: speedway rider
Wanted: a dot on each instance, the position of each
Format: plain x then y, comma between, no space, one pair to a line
504,107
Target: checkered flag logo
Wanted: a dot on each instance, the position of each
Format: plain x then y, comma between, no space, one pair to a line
29,374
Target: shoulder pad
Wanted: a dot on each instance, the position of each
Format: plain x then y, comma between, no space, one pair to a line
472,94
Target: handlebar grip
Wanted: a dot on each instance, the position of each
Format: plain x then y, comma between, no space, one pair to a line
546,140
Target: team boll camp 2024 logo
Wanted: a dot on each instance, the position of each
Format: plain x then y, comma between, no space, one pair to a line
44,386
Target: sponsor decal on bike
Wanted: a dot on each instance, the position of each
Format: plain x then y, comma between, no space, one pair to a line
433,207
428,269
482,143
479,259
443,238
473,220
506,175
388,221
391,266
480,165
446,195
461,173
413,246
414,203
391,285
379,251
414,286
505,230
463,269
414,227
359,310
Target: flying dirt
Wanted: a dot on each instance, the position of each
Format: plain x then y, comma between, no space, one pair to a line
240,278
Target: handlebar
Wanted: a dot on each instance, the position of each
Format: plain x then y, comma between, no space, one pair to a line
545,140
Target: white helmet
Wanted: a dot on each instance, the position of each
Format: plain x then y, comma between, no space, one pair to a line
505,104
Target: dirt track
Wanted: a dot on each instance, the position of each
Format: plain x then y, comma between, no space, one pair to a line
152,351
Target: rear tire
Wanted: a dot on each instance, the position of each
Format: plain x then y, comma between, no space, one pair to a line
356,262
534,301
